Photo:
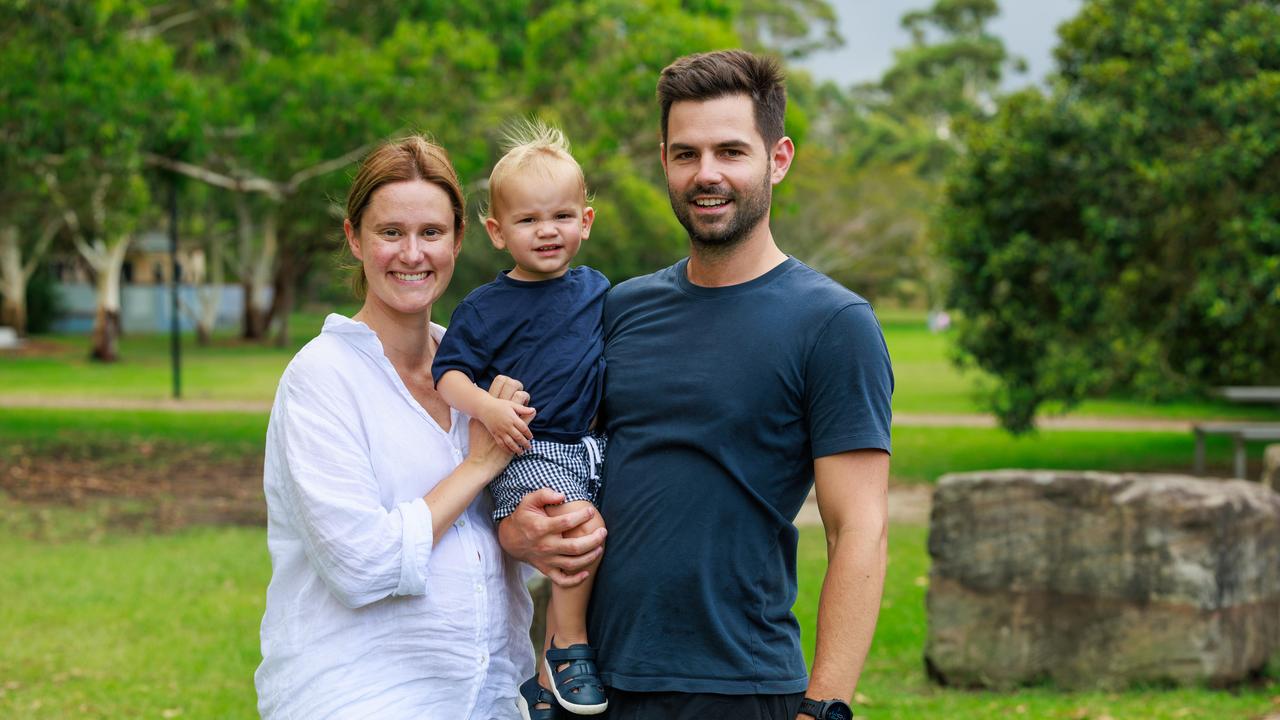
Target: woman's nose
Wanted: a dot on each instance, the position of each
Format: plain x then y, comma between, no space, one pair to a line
413,249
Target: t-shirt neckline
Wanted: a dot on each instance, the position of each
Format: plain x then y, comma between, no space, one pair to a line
689,288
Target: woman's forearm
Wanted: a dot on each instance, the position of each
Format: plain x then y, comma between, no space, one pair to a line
453,494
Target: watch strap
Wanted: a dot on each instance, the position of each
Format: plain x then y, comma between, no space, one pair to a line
812,708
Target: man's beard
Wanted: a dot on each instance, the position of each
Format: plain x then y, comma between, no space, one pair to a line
748,211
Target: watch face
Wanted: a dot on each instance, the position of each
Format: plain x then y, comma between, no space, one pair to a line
837,710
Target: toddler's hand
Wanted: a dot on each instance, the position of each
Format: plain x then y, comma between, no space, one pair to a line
508,423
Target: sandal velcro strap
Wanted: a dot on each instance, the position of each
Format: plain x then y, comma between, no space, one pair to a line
573,652
531,696
577,686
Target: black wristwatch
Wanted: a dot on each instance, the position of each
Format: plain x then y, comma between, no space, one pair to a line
826,709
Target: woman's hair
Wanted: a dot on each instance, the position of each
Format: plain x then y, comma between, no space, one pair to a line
531,145
410,158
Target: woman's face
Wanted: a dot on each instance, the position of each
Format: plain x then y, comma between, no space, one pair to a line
407,245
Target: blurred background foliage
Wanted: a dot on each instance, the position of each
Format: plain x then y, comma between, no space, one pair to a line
1117,231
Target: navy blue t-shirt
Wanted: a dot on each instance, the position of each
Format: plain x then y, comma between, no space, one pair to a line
716,402
546,334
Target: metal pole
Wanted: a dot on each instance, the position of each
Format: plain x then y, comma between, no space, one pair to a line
175,343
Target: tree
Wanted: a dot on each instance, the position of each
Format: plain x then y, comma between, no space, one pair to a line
89,129
1123,234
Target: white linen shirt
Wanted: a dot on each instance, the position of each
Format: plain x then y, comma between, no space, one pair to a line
365,618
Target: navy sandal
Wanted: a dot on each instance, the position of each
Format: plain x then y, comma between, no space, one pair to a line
531,696
577,687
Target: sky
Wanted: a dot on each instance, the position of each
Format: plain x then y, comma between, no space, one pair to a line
871,32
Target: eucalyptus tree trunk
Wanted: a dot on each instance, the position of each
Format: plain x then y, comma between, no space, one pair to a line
15,273
13,282
107,261
257,265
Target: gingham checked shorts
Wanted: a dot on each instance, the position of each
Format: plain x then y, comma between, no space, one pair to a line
569,468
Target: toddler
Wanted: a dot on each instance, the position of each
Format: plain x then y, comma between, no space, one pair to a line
540,323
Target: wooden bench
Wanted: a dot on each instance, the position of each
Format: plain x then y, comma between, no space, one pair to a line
1240,433
1249,394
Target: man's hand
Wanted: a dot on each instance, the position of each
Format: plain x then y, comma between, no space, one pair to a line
531,535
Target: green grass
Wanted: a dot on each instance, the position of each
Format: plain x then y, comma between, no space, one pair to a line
921,454
927,382
119,625
231,370
132,626
39,429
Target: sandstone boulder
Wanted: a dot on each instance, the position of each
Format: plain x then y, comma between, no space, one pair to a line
1097,580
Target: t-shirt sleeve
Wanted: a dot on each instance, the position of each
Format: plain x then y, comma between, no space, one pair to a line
849,384
463,346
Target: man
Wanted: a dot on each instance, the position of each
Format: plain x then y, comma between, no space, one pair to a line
736,380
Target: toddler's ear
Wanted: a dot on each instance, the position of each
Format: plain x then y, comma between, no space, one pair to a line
588,217
494,229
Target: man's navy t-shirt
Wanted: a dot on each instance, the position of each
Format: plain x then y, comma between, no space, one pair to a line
717,401
545,334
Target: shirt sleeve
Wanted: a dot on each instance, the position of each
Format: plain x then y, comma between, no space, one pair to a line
363,551
849,384
463,347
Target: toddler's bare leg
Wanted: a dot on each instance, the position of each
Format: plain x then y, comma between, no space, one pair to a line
567,609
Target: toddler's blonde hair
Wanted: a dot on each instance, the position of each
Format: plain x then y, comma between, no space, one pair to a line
531,146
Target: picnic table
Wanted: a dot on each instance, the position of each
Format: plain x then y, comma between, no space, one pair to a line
1239,432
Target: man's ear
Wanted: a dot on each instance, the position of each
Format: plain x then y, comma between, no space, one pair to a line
784,152
353,242
494,230
662,154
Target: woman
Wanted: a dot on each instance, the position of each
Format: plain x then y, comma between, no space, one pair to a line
389,595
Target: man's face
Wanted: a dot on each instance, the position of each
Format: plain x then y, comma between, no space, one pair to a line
720,174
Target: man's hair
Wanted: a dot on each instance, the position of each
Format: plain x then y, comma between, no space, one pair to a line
532,145
707,76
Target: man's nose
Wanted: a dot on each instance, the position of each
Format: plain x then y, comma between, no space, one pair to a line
708,171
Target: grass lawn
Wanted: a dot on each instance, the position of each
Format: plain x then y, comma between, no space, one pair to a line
921,454
166,626
927,382
231,370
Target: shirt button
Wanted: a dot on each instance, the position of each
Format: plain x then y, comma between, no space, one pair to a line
462,522
479,588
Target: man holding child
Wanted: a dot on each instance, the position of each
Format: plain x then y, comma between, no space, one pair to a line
735,381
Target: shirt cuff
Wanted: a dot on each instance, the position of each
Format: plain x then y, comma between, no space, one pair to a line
415,546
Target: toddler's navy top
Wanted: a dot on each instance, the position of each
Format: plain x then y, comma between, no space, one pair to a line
546,334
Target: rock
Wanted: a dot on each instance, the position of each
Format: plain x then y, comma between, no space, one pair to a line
1096,580
1271,467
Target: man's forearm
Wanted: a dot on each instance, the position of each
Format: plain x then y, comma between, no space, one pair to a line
847,609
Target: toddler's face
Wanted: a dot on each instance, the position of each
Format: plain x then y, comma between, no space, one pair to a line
541,220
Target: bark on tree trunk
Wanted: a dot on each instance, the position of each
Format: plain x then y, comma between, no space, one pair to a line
107,263
13,282
257,265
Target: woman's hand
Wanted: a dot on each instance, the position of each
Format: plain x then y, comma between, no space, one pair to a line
487,452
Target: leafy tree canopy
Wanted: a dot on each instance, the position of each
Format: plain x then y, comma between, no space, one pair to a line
1123,233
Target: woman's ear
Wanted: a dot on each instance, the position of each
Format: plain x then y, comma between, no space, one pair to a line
353,241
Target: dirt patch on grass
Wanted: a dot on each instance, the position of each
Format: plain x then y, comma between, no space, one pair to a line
139,485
